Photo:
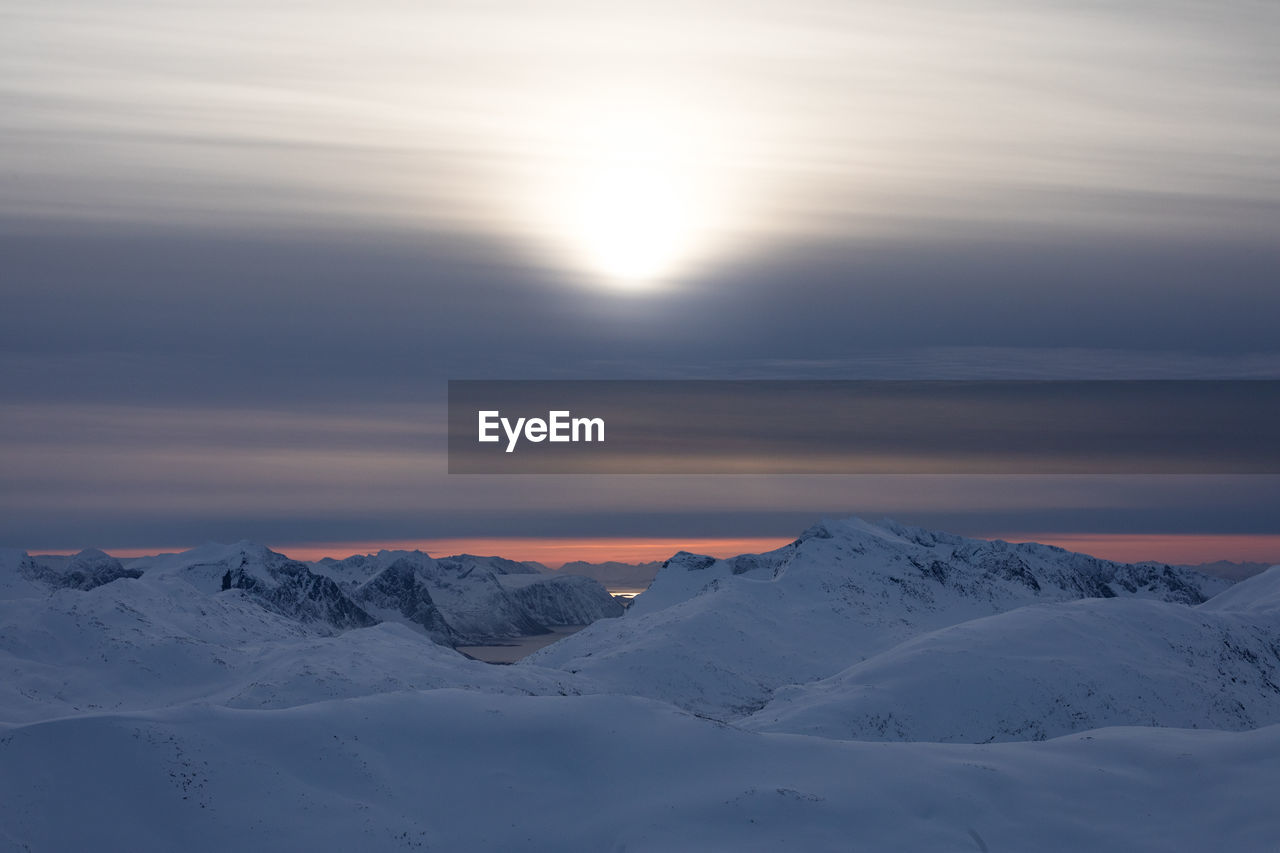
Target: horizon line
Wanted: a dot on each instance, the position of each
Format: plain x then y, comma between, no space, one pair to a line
555,551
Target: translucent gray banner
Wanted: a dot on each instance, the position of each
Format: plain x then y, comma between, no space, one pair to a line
864,427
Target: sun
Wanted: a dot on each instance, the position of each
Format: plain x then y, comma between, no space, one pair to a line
630,200
632,221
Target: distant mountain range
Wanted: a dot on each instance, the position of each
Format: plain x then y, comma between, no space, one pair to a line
1229,570
615,575
455,600
1048,670
230,697
718,637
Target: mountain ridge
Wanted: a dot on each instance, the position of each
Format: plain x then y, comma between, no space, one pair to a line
718,636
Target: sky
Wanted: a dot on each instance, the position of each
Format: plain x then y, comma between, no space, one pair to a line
244,249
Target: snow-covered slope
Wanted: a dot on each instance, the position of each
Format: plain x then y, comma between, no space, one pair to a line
1048,670
284,586
174,635
1258,596
163,711
19,575
719,636
458,770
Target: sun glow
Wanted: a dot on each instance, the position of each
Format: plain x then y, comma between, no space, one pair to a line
631,222
637,196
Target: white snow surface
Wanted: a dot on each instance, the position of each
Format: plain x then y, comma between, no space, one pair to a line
1048,670
1258,595
460,770
163,712
719,636
160,640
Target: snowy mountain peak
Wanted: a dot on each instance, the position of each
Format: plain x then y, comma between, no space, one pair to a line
386,557
467,599
685,561
284,586
91,568
496,565
400,593
83,571
718,636
887,531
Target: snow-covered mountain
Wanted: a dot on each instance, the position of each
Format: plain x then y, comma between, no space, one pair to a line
173,635
561,600
1230,570
1051,669
468,600
1259,595
400,593
613,574
222,699
274,581
720,636
83,571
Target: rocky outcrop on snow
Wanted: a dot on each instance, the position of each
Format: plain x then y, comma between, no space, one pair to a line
398,593
469,600
291,589
561,600
467,604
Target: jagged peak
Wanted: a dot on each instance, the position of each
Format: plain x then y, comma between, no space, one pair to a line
689,562
498,565
215,552
398,553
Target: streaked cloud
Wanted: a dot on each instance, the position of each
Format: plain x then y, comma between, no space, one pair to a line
244,245
145,476
765,123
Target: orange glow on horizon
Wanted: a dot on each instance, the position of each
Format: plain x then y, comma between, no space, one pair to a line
555,552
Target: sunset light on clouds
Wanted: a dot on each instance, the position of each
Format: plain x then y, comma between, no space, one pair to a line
250,244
